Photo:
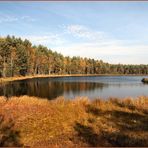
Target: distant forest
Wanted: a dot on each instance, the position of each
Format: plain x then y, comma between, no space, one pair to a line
20,57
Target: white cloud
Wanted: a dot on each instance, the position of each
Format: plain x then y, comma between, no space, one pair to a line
28,18
50,39
84,32
9,18
78,31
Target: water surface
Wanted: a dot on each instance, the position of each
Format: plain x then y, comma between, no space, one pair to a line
71,87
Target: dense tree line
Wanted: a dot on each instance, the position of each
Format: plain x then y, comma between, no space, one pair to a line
20,57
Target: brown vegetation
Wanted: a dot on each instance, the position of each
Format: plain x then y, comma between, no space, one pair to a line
78,122
145,80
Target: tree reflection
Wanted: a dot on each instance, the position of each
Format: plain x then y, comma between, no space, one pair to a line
45,88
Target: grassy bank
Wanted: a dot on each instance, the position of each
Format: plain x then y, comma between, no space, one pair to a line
145,80
29,121
8,79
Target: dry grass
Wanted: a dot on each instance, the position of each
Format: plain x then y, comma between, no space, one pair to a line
30,121
8,79
145,80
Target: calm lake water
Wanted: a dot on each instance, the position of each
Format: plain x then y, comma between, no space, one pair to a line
70,87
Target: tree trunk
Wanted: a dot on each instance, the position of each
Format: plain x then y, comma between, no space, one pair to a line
4,67
11,66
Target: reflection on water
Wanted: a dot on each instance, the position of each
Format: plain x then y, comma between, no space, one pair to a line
71,87
47,89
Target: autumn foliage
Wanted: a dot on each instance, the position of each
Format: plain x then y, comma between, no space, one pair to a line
20,58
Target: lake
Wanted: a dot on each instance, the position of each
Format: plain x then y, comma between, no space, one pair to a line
71,87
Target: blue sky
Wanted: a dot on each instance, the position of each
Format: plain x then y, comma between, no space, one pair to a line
116,32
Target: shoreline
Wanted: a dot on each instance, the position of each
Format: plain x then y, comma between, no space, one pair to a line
10,79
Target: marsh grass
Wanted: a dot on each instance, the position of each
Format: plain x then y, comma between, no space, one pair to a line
77,122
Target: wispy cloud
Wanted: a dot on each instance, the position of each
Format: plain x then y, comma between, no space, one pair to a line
50,39
7,18
28,18
10,18
84,32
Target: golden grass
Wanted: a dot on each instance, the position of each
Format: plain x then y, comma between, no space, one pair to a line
79,122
